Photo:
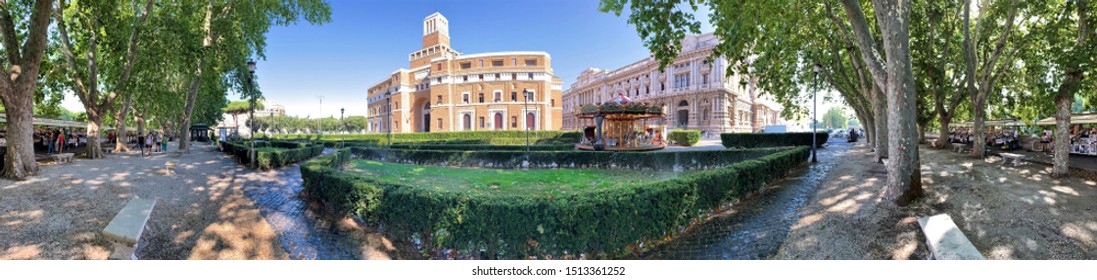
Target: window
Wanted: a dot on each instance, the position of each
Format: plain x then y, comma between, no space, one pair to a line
481,63
513,76
439,123
481,122
514,61
481,97
531,62
497,63
465,98
496,76
704,79
514,121
438,66
466,65
465,78
439,101
552,102
481,77
531,76
498,96
513,96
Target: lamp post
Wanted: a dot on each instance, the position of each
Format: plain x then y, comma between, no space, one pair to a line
321,116
270,124
814,113
388,122
251,112
342,141
525,100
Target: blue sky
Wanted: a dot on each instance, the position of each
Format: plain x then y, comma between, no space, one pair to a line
368,40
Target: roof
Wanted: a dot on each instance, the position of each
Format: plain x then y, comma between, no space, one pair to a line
52,122
1085,118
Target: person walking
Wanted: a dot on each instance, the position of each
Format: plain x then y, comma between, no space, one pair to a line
148,144
164,145
140,145
60,141
50,141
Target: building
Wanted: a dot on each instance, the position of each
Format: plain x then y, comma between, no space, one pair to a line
694,91
448,91
270,108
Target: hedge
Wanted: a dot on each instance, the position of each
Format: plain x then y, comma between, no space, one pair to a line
604,223
662,160
754,140
273,154
488,135
482,147
685,137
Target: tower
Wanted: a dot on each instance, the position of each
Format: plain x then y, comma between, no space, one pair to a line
435,30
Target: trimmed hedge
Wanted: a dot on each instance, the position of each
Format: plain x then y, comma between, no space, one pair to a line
685,137
754,140
603,223
663,160
482,147
273,154
485,136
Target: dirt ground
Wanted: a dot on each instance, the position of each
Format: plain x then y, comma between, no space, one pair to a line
1007,212
201,212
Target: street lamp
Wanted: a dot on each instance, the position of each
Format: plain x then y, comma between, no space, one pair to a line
342,141
251,111
814,113
526,94
270,123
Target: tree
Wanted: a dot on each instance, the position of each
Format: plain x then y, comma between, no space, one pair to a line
233,30
981,78
356,124
937,61
662,25
1062,55
835,118
98,88
237,108
20,71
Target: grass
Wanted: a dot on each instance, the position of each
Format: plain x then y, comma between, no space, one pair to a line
503,182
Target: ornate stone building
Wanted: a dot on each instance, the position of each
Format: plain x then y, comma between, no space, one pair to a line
448,91
694,91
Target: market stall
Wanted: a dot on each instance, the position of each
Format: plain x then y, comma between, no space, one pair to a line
1083,133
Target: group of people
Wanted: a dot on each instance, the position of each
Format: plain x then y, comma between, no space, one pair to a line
151,142
55,140
1007,139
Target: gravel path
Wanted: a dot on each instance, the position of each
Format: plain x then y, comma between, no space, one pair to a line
1007,212
756,227
201,213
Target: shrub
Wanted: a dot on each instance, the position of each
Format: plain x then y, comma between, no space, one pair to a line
273,154
753,140
604,221
662,160
685,137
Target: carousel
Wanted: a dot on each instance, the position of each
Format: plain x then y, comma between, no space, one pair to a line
622,125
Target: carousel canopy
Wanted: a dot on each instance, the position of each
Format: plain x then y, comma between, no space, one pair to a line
621,106
989,123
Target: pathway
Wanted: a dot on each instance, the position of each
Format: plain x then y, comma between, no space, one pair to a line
755,228
304,235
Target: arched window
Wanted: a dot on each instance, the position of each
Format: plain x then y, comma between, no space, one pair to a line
683,103
530,123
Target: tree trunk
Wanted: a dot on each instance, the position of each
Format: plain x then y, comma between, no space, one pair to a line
904,183
94,149
921,132
979,106
19,161
879,109
943,138
120,130
1061,158
140,119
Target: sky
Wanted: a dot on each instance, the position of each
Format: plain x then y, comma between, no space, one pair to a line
367,40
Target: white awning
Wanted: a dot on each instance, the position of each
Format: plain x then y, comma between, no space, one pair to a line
1089,118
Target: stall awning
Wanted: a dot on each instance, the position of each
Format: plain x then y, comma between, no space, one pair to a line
53,122
1088,118
992,123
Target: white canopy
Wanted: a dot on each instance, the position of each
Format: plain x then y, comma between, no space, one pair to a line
1088,118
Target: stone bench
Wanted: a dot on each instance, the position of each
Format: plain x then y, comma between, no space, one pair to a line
946,241
1016,158
61,158
125,229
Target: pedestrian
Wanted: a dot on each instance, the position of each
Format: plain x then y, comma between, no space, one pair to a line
148,144
49,141
140,145
164,145
156,142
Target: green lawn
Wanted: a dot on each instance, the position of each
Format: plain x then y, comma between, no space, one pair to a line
484,181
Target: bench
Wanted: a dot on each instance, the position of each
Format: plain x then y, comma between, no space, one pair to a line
959,147
125,229
1016,158
946,241
63,157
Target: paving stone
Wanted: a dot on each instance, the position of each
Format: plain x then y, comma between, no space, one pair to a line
762,223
